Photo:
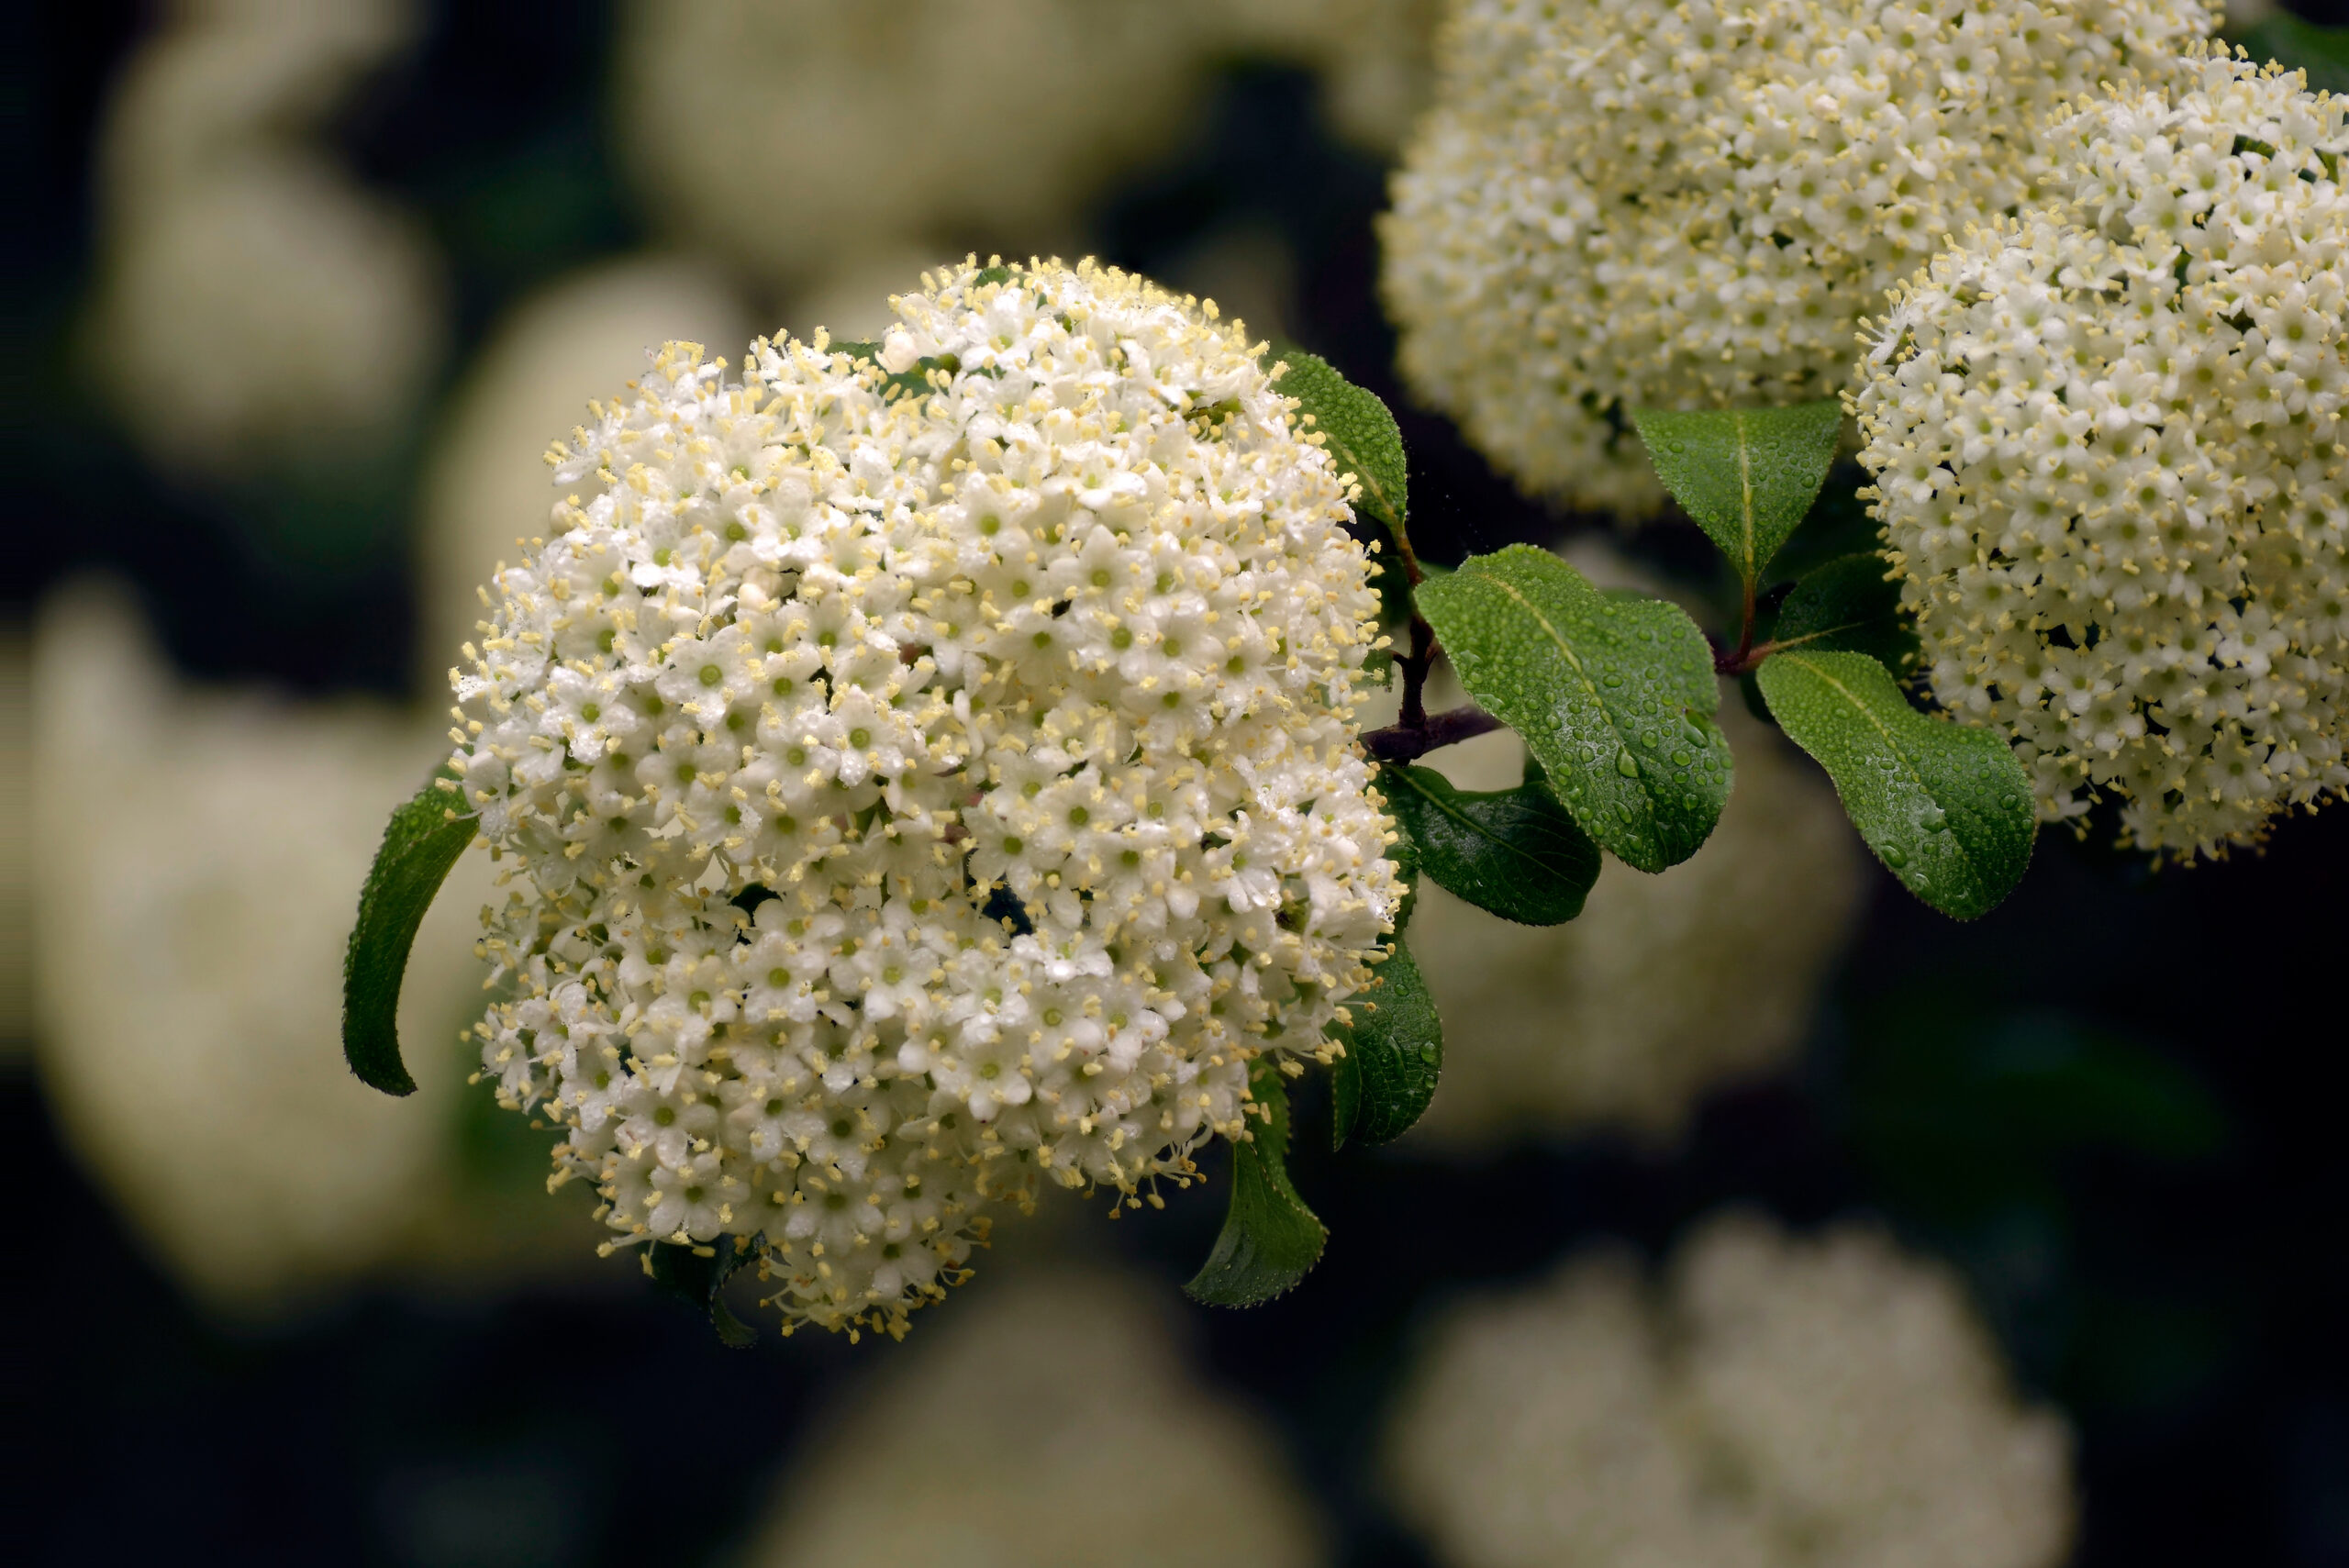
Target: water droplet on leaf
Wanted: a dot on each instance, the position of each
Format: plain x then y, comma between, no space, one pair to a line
1627,764
1894,856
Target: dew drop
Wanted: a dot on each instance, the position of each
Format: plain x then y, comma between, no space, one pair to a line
1672,447
1894,856
1627,764
1934,819
1680,759
1611,681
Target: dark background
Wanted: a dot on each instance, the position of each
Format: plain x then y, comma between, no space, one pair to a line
2114,1102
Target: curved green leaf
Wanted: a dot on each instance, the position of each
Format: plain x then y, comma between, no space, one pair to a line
1613,696
1947,808
685,1273
1394,1056
422,841
1270,1239
1848,606
1746,475
1364,438
1513,852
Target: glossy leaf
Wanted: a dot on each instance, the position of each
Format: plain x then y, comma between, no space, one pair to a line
684,1272
422,841
1848,606
1270,1239
1946,807
1362,435
1614,696
1394,1056
1512,853
1746,475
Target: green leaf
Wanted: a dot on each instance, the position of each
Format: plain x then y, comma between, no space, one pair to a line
1613,696
1848,606
1270,1239
2322,52
422,841
1363,435
1513,852
1394,1056
1345,1088
1946,807
1746,475
685,1273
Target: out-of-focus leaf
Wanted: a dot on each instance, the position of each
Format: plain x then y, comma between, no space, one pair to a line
684,1273
2321,52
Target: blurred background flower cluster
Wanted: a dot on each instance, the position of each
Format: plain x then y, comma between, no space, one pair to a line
1764,1217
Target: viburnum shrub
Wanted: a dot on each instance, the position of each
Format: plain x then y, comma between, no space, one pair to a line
929,770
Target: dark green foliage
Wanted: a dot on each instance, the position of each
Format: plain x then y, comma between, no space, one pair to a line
1947,808
1614,696
1514,853
2321,52
1382,1085
1746,475
422,840
699,1282
1270,1239
1361,433
1848,606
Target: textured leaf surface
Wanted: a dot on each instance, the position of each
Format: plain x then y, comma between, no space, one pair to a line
1270,1239
1514,853
1848,606
422,841
1614,696
1363,434
684,1274
1394,1056
1746,475
1945,808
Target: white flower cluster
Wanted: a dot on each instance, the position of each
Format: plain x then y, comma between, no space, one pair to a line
1123,1452
186,986
929,773
841,128
255,304
1782,1402
2112,461
1686,203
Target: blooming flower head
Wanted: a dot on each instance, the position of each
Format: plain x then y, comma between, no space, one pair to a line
1678,203
930,773
2110,461
1847,1387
